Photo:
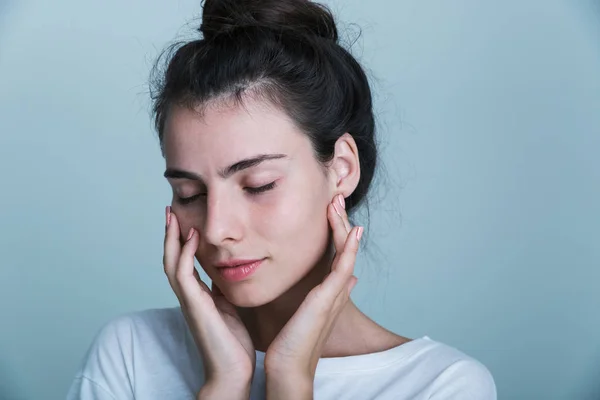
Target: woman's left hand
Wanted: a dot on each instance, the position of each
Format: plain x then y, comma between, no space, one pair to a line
294,353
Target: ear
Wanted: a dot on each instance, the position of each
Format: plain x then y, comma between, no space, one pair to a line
344,168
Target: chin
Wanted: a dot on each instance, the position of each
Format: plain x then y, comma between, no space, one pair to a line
249,296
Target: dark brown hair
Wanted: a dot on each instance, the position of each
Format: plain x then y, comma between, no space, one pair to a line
286,51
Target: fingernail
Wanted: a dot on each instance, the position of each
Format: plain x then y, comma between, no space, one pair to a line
359,232
341,200
168,215
336,209
190,234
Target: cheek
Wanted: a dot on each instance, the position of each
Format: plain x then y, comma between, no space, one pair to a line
294,224
187,220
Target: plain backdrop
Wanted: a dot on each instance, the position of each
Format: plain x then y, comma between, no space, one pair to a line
485,235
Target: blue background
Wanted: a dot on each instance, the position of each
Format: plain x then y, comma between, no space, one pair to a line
484,234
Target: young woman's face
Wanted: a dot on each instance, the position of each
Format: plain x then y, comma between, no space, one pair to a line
275,209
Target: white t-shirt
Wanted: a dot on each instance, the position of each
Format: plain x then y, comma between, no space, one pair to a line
151,355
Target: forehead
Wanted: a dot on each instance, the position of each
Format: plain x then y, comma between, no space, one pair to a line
229,132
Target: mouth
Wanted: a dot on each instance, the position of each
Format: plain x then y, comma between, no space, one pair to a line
238,270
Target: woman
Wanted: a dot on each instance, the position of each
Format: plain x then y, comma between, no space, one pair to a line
267,129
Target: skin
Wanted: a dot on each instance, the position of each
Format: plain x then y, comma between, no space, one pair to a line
299,227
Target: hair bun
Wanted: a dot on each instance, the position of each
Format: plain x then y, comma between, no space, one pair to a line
300,16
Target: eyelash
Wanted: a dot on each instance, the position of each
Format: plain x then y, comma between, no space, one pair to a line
251,190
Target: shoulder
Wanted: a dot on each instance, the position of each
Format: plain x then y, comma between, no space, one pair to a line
421,368
163,321
112,361
459,376
124,331
155,318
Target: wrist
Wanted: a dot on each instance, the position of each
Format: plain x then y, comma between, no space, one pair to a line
225,390
289,386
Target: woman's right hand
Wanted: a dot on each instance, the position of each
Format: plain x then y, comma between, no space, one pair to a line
222,339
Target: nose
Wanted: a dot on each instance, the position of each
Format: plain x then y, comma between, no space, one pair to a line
222,222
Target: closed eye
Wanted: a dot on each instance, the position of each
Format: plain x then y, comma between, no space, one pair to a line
251,190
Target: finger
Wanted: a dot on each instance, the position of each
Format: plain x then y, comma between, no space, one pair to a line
343,213
336,286
185,265
337,225
172,249
343,264
187,278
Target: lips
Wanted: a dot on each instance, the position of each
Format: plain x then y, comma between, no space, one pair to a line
237,262
238,270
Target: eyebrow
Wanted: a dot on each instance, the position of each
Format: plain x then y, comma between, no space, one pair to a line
175,173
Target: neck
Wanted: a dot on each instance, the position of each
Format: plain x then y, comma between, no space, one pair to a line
265,322
348,336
